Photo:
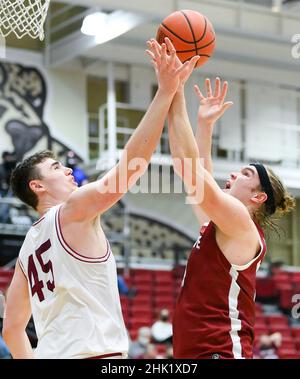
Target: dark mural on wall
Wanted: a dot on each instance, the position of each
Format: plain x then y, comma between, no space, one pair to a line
22,100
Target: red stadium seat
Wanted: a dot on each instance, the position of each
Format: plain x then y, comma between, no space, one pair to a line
164,276
297,342
143,289
258,308
133,334
260,320
140,312
137,322
296,332
296,287
161,348
265,287
295,276
138,273
261,330
285,300
276,319
288,353
142,300
124,301
160,304
164,290
288,345
142,280
6,273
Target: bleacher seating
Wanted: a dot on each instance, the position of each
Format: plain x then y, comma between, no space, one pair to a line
159,289
5,278
280,287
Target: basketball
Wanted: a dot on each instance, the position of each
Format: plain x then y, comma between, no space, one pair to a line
191,34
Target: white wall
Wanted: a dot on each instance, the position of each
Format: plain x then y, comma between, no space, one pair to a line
65,107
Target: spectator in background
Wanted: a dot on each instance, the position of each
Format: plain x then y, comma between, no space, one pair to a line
161,330
139,348
267,346
4,352
79,175
8,164
169,352
152,352
123,287
275,267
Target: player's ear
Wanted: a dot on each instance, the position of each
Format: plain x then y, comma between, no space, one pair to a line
259,198
36,186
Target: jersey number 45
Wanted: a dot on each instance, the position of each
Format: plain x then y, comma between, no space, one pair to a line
36,284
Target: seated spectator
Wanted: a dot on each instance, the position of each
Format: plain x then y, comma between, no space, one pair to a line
152,352
79,175
122,286
169,352
267,346
139,347
275,267
161,330
4,352
8,164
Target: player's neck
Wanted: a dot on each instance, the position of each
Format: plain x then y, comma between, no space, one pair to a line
45,206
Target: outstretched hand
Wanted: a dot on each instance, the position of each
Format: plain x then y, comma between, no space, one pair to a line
212,107
170,72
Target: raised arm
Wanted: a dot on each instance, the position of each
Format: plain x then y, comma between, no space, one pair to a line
211,108
95,198
228,213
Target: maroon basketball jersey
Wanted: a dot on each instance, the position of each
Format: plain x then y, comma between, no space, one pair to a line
215,311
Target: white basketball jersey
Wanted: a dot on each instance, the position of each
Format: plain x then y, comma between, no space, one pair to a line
74,299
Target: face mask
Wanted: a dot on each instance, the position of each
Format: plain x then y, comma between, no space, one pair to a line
143,340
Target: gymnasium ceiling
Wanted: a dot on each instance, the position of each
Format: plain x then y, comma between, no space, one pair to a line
247,34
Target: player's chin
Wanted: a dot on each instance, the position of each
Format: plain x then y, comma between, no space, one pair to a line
74,184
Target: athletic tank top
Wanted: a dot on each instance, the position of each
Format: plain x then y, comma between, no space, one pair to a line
74,299
215,311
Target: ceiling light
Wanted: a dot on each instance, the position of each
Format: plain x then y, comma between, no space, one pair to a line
94,22
105,26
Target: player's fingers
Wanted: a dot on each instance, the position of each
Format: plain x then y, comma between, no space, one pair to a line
153,40
198,92
182,67
172,58
169,44
224,92
208,87
156,52
163,53
194,61
227,105
151,55
217,87
172,51
150,45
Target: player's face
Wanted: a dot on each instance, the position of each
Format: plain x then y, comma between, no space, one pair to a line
58,180
243,184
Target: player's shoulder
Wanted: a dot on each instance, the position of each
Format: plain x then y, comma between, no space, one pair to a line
47,216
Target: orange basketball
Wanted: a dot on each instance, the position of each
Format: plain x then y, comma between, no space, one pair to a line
191,34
